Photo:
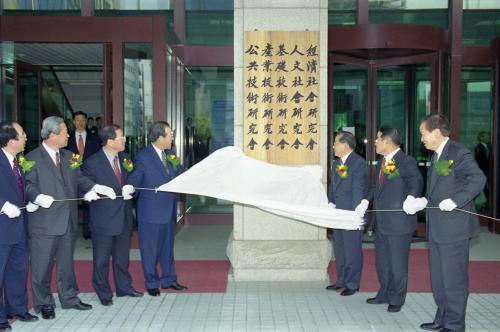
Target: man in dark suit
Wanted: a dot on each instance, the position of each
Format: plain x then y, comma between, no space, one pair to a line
453,180
52,230
396,180
111,221
346,190
13,243
155,165
84,143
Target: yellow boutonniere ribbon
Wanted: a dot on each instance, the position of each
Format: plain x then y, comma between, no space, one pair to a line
26,165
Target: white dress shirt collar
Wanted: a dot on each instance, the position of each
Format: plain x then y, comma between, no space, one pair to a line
439,150
344,158
9,157
51,152
158,151
391,155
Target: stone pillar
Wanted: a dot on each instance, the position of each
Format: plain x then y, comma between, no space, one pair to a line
264,246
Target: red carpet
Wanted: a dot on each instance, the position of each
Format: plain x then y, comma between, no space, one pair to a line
484,276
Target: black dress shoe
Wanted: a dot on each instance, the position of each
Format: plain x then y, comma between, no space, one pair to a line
374,300
48,312
431,326
5,327
175,285
80,306
348,291
26,317
333,287
133,293
444,329
153,291
394,308
107,302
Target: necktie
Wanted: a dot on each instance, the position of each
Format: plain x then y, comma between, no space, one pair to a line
116,169
19,180
81,146
164,160
381,174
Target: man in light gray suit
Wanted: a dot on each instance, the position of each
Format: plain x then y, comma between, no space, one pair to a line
453,180
52,230
395,181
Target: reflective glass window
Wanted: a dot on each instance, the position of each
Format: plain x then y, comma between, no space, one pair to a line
476,122
133,4
209,4
427,12
342,12
41,5
209,27
209,124
480,26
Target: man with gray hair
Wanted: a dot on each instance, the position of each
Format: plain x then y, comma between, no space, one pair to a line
53,183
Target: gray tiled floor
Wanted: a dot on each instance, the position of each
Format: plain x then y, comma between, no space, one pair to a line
263,306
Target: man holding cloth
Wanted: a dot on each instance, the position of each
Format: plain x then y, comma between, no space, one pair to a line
52,229
155,165
346,190
395,181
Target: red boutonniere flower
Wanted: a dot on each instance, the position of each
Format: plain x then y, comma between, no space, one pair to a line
75,161
128,165
342,171
390,169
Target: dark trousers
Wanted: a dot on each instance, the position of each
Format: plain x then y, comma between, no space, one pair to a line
13,274
449,267
391,261
44,248
117,248
348,257
156,242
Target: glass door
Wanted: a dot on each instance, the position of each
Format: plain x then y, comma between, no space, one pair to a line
27,80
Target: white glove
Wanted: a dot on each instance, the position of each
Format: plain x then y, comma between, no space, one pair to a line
331,205
360,210
127,191
420,203
10,210
105,191
44,201
90,196
447,205
409,205
30,207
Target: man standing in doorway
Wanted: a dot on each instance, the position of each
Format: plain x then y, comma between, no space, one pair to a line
453,180
396,181
111,221
52,230
85,144
346,190
13,243
155,165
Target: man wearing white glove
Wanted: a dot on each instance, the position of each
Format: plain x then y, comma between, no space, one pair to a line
104,190
346,190
453,180
13,243
110,221
395,184
53,227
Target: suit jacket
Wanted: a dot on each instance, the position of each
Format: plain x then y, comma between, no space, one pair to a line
391,194
45,178
108,217
464,182
11,230
149,172
92,144
347,193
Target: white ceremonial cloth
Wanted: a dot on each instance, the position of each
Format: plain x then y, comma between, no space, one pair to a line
292,192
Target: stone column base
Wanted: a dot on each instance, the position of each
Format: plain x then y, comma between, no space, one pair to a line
279,260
